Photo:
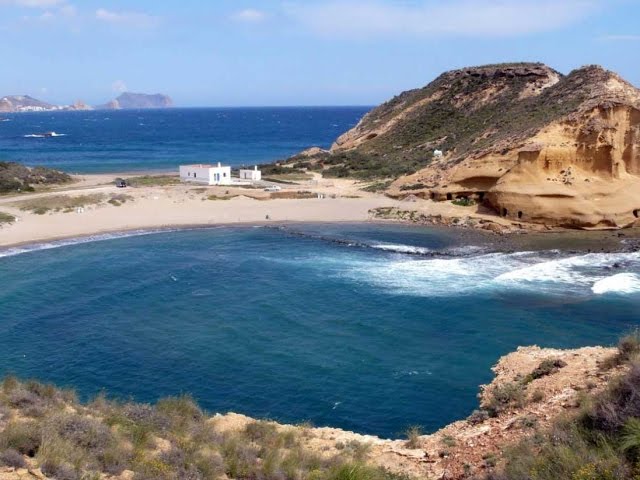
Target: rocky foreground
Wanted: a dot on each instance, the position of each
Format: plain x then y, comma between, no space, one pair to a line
46,433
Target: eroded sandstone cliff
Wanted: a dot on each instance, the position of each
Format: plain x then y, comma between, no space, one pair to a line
535,145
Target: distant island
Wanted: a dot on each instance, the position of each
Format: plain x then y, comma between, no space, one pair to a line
127,100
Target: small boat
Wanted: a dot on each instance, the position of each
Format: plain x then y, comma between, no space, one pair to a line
49,134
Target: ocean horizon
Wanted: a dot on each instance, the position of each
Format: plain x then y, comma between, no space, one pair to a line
115,141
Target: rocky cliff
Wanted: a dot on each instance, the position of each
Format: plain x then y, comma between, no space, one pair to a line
535,145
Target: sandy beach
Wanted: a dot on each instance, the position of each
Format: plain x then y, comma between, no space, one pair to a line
180,205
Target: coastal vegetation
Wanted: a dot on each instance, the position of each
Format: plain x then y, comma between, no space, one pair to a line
6,218
68,203
153,180
48,428
379,186
601,441
16,178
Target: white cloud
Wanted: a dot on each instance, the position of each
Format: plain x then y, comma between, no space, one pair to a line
33,3
429,18
249,15
620,38
119,86
133,19
51,12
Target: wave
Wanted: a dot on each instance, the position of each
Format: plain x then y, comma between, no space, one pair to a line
399,248
619,283
547,273
45,135
13,251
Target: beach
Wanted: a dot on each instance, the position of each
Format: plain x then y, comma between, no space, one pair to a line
188,205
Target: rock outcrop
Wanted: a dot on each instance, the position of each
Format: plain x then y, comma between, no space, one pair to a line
531,143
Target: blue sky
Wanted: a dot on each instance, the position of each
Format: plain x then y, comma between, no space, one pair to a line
312,52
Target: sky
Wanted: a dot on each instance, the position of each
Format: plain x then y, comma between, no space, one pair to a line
293,52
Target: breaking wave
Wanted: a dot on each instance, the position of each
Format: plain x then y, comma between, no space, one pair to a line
620,283
45,135
547,273
12,251
399,248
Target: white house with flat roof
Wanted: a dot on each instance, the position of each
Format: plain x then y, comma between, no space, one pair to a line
207,174
253,175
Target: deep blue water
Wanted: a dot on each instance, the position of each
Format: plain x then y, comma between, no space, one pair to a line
360,334
139,140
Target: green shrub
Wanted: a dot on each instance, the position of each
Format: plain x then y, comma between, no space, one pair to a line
22,436
464,202
6,218
547,367
15,177
505,396
477,417
377,186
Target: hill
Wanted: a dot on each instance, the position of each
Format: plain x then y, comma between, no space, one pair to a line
531,143
24,103
130,100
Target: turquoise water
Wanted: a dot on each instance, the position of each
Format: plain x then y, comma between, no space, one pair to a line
355,326
139,140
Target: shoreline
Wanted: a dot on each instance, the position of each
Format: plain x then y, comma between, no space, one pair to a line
569,242
157,208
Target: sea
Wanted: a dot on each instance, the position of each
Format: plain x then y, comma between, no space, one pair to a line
368,327
372,328
161,140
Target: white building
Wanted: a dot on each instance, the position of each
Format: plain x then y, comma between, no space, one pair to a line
438,154
207,174
254,175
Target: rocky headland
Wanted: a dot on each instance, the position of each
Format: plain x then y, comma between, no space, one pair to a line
524,140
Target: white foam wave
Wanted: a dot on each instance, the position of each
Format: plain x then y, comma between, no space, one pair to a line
399,248
12,251
581,270
620,283
535,272
45,135
429,277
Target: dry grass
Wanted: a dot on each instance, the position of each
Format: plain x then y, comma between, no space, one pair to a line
300,194
68,204
294,177
153,180
174,439
59,203
6,218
